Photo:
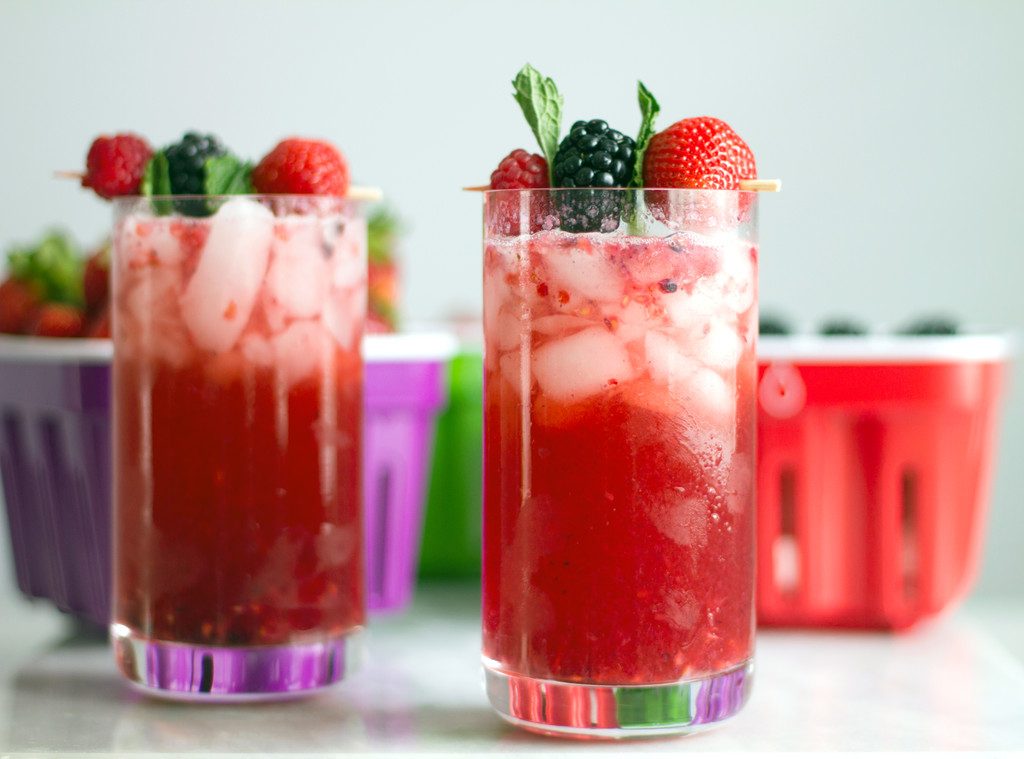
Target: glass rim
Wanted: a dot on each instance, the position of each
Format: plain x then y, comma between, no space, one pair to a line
688,190
248,195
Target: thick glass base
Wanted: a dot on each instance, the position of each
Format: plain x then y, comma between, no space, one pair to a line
240,673
576,710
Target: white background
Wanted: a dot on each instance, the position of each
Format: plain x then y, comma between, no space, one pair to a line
898,128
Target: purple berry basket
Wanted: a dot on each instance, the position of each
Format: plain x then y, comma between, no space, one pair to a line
55,464
405,389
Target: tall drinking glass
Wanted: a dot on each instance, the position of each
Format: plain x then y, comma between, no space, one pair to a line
237,427
619,387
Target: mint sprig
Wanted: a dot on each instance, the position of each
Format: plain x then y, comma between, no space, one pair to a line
156,180
542,104
227,175
649,109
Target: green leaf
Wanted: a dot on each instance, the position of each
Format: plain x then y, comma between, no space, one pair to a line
649,109
227,175
383,229
156,180
385,310
542,106
53,268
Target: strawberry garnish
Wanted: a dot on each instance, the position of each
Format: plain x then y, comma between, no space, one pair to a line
699,153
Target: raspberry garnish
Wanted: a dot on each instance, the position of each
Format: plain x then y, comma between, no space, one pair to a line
699,153
520,170
302,167
115,165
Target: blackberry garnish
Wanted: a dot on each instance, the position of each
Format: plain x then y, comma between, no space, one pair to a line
186,163
592,156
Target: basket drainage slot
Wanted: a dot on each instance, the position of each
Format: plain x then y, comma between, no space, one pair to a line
786,549
910,553
382,509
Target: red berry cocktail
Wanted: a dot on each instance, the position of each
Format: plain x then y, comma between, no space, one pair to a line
620,322
237,324
619,386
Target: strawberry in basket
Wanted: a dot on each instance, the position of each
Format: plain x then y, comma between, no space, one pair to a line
43,292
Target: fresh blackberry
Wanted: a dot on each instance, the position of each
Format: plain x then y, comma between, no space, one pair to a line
772,324
935,324
592,156
186,163
838,327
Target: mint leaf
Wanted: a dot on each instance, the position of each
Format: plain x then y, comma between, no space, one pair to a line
156,180
649,109
227,175
542,106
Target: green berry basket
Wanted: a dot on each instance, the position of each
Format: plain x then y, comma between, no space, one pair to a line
451,536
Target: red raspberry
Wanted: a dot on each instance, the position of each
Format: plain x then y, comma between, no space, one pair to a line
58,320
115,165
520,170
302,167
19,302
699,153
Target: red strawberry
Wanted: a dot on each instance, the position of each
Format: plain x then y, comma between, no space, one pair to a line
96,280
115,165
58,320
699,153
520,170
302,167
18,304
100,325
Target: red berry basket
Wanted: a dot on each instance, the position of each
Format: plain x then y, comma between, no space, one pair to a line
875,463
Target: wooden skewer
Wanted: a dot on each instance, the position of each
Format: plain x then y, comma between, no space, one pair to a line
371,194
761,185
747,185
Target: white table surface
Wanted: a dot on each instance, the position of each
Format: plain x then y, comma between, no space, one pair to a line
951,685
